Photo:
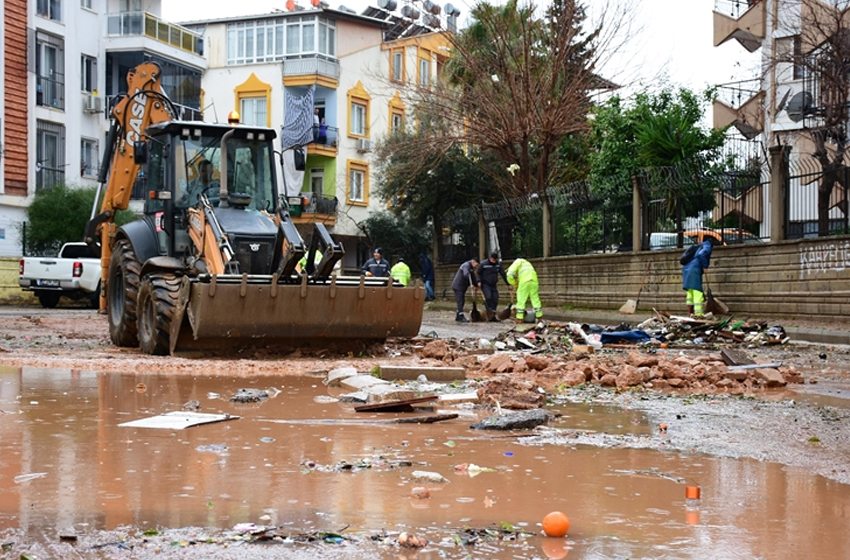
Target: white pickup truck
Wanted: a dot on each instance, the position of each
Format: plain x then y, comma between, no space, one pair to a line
75,273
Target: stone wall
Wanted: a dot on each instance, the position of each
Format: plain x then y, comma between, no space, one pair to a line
10,292
807,279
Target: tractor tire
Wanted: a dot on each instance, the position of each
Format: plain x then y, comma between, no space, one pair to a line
48,298
157,301
122,293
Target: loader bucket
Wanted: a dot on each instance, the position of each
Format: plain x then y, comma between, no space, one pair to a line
229,311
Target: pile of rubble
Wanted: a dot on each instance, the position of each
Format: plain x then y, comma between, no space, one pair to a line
522,365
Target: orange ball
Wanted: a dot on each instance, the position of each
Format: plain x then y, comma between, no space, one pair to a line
556,524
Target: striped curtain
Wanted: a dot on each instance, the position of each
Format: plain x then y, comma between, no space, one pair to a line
298,119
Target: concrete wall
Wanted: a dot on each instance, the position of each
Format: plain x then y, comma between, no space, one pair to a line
807,278
10,292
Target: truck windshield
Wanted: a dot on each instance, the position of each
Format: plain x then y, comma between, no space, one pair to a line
249,171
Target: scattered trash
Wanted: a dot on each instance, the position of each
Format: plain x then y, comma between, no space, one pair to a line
556,524
420,493
27,477
471,469
427,476
407,540
249,395
470,536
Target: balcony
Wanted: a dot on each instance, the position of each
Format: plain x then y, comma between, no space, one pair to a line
50,91
742,20
324,147
145,25
307,69
315,208
740,104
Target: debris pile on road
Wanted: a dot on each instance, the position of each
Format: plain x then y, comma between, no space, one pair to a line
520,366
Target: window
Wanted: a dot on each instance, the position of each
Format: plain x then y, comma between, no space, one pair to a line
49,154
396,122
424,69
86,4
397,65
255,41
358,183
88,73
50,71
253,111
358,111
327,36
51,9
790,50
130,6
88,158
358,119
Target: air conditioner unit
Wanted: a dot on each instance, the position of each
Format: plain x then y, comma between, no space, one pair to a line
92,103
364,145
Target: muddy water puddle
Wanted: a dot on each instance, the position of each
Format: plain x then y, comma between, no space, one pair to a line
297,460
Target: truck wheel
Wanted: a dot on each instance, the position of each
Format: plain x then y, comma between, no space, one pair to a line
157,300
122,292
48,299
94,298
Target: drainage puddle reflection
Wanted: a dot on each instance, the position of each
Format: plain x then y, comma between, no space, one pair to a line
299,460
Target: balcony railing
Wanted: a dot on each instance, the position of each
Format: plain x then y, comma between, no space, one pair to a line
50,91
319,204
734,8
330,139
127,24
311,64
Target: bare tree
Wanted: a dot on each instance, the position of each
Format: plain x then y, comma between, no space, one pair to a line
518,81
823,55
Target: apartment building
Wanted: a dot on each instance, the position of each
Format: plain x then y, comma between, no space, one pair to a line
63,62
356,65
782,105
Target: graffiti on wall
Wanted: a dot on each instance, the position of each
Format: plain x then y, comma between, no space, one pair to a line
824,257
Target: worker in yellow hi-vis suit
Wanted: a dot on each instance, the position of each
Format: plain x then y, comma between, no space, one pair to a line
401,272
523,278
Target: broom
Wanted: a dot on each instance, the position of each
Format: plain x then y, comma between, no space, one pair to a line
712,304
506,312
475,315
631,305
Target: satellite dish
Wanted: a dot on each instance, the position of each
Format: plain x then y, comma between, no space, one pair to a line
347,10
781,104
388,5
451,10
799,106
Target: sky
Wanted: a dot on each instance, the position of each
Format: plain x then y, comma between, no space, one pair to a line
670,38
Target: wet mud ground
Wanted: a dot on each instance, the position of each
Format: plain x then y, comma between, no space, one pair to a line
772,468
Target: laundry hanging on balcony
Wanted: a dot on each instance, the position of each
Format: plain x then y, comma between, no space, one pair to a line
297,120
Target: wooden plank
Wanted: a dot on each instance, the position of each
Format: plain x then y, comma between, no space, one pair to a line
394,406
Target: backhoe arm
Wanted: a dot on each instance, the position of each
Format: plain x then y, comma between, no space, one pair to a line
145,104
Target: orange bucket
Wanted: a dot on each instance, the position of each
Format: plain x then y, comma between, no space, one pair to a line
692,492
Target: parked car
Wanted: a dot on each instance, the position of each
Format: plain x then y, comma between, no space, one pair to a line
667,240
726,236
74,273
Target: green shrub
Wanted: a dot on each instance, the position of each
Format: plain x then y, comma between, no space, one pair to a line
57,215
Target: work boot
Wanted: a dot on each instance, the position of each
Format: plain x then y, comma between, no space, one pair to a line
461,319
690,311
494,320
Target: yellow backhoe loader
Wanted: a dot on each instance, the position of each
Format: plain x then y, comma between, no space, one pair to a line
212,262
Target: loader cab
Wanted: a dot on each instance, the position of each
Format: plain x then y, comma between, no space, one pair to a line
188,159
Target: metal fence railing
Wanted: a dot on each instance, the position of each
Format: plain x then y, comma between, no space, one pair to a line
680,205
816,201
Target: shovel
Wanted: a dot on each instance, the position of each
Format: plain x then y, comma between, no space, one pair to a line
506,312
475,315
631,304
